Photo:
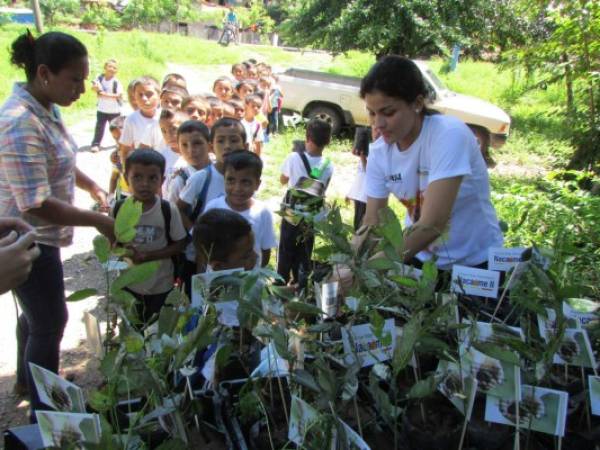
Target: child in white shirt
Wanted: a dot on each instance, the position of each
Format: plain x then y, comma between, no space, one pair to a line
243,170
254,131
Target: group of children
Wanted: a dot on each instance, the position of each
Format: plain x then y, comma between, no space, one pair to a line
194,162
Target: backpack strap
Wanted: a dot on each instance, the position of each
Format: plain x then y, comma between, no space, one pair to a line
200,202
117,207
114,84
306,164
182,174
165,207
256,132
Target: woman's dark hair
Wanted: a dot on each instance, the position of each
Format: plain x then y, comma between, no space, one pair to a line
394,76
217,232
145,157
54,49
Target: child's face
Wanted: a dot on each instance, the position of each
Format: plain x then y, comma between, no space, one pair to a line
194,149
264,85
239,73
240,186
144,181
169,127
196,111
242,255
245,90
239,113
110,69
252,73
171,100
223,90
147,99
216,113
252,109
116,134
227,140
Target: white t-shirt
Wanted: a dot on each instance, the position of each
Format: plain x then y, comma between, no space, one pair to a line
109,105
150,236
254,132
294,169
261,220
192,190
357,189
176,182
170,159
139,129
445,148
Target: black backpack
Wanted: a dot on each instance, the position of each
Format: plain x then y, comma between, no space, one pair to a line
307,197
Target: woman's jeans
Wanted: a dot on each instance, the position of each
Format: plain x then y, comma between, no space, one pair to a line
40,327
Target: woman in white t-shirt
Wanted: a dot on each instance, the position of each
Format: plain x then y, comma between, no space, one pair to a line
432,164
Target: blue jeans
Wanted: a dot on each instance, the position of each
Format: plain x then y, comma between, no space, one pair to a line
41,326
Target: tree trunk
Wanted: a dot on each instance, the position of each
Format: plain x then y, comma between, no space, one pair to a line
39,23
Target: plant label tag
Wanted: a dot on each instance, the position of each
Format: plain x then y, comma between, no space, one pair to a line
581,310
594,394
56,392
504,259
361,342
472,281
302,416
457,387
68,429
540,409
227,313
354,441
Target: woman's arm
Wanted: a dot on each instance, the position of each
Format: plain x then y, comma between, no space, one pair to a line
87,184
372,212
435,214
58,212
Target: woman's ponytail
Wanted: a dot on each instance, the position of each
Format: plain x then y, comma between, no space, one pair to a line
23,54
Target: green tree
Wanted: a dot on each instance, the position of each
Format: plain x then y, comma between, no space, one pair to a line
567,50
140,12
53,10
408,27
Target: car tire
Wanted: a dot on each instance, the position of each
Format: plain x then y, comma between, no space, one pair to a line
328,114
483,138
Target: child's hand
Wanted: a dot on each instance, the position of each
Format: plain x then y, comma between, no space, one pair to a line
136,256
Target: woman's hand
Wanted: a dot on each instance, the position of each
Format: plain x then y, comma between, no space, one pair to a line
101,197
8,224
106,226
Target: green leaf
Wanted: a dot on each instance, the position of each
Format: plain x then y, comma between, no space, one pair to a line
128,217
377,323
101,401
380,264
134,343
167,320
81,295
404,351
404,281
222,356
298,307
101,248
134,275
423,388
390,228
497,352
172,444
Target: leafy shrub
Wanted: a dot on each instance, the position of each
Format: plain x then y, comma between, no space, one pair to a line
54,10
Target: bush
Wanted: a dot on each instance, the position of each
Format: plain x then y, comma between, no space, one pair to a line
102,17
54,10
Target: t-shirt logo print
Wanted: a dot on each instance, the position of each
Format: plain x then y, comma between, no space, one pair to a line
146,234
394,178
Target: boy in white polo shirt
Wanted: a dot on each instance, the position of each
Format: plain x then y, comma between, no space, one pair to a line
110,94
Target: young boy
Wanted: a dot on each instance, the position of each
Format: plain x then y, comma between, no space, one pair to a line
224,240
174,79
254,131
238,71
296,241
171,97
226,136
117,177
110,94
169,124
193,138
216,110
243,170
160,234
197,107
141,128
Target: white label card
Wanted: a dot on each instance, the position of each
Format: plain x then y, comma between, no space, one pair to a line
471,281
302,416
504,259
360,340
595,394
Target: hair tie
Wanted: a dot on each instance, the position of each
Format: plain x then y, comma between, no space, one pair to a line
30,37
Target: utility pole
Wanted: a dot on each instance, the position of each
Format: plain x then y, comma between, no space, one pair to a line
37,13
